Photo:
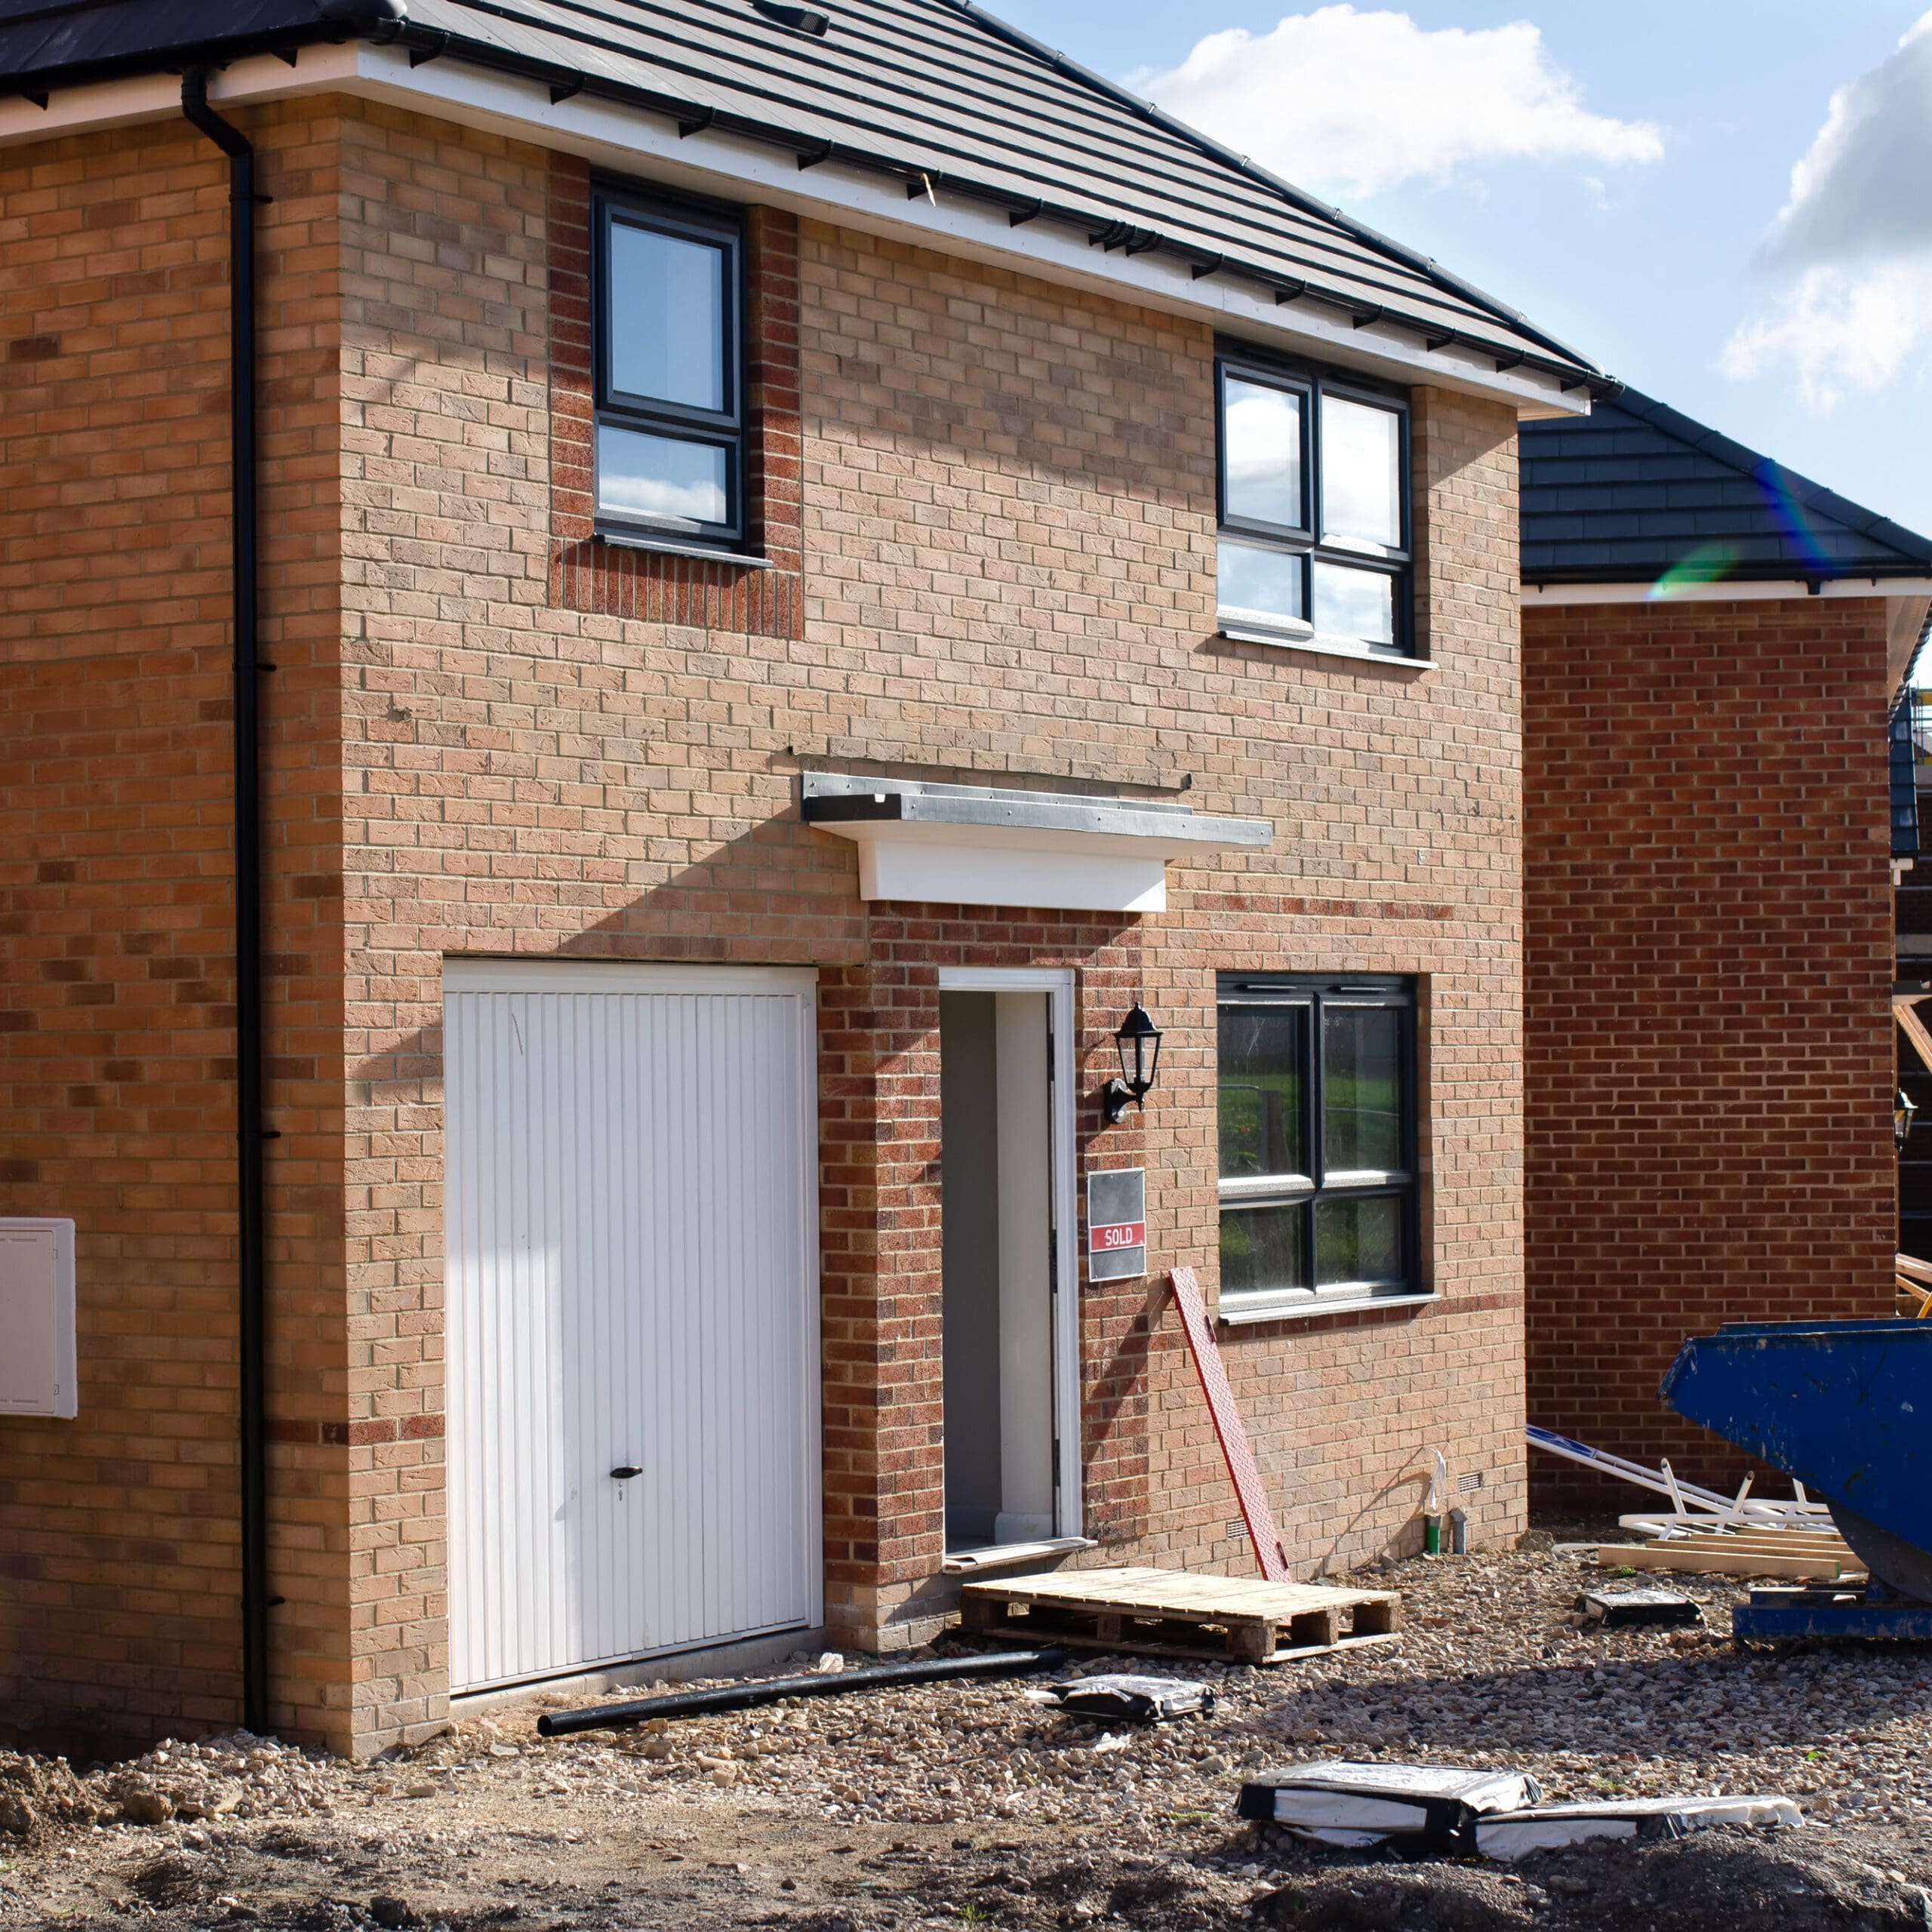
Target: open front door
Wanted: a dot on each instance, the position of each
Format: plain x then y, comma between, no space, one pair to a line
1011,1335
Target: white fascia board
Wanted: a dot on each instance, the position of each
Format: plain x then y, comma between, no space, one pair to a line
1753,592
638,142
934,873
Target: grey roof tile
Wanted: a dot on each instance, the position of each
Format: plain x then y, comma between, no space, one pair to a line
1635,488
926,90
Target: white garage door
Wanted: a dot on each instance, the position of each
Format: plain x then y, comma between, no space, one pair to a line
631,1273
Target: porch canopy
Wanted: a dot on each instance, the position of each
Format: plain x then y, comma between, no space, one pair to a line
974,845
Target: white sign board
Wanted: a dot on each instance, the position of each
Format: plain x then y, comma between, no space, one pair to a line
1117,1225
37,1349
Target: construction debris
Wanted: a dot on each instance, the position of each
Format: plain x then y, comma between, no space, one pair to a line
1423,1809
1548,1827
1426,1807
1691,1507
1625,1610
1774,1553
1137,1699
822,1682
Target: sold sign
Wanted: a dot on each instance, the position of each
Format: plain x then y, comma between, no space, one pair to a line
1117,1225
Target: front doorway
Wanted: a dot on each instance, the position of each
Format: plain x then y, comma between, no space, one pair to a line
1011,1320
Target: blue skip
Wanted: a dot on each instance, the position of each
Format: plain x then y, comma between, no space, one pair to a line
1846,1408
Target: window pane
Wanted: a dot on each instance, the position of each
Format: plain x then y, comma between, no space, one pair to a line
1361,1089
666,317
661,477
1354,604
1362,473
1356,1241
1267,583
1261,453
1262,1248
1263,1061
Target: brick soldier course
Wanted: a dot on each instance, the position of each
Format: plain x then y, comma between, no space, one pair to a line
989,499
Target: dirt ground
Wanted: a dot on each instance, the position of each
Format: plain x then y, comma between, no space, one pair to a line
973,1804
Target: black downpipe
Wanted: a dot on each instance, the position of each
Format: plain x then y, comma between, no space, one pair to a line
248,1079
828,1684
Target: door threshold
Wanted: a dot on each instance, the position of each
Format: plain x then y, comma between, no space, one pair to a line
999,1556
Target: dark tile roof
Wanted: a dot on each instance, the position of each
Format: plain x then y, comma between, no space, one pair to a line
1636,489
934,91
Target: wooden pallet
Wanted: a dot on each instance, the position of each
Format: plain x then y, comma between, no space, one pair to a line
1175,1614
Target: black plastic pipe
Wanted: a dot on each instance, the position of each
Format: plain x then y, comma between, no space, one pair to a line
251,1245
820,1684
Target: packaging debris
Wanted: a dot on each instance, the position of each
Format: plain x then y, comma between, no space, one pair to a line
1636,1609
1138,1699
1545,1828
1424,1807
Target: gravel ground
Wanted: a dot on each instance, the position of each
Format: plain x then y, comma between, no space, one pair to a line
967,1803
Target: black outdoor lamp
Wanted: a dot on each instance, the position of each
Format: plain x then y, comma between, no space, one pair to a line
1139,1040
1902,1110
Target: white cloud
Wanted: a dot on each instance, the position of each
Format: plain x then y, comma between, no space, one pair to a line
1849,262
1354,103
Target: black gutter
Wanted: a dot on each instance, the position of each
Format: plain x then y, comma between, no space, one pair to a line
250,1198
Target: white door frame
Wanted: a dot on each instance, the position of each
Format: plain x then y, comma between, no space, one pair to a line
1057,983
462,973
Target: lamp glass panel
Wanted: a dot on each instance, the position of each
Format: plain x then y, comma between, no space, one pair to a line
1264,1249
1262,1072
666,317
1261,441
1361,1089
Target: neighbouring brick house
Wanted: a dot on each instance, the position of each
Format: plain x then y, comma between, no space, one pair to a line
1712,648
805,569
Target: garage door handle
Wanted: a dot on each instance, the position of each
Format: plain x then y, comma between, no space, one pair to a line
624,1474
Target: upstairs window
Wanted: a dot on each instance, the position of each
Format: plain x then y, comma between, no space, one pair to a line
670,387
1318,1139
1314,511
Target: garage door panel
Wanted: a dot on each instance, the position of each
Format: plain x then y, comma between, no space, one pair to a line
630,1209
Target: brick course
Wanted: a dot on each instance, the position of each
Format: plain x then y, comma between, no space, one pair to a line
1004,569
1708,1054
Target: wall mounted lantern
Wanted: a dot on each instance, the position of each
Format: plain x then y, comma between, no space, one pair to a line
1902,1110
1139,1040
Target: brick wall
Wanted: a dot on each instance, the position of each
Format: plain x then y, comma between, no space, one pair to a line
119,1590
1709,1052
1006,516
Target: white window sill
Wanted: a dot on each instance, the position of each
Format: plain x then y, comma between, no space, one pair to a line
669,546
1003,1555
1236,1311
1240,633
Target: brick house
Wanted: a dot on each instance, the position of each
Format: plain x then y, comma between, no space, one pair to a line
1712,648
798,570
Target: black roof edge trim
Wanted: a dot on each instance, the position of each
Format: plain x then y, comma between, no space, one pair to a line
1875,570
1424,264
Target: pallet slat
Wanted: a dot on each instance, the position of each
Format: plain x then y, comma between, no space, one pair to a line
1167,1612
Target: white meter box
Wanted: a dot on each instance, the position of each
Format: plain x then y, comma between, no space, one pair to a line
38,1369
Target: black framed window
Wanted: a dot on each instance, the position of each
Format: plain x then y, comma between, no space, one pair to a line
668,333
1315,543
1317,1088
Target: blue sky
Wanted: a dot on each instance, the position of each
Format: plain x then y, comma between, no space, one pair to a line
1648,149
